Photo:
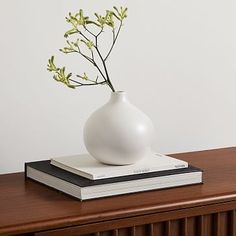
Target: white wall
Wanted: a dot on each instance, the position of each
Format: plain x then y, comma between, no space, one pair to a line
175,59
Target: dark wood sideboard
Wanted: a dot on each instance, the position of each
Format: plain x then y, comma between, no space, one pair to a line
29,208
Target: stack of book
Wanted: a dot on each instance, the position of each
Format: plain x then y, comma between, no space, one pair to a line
85,178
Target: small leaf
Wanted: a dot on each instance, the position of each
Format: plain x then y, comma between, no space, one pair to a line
76,43
92,22
88,43
117,17
84,77
71,86
70,32
56,78
69,75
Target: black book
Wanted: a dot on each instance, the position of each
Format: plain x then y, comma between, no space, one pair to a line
83,188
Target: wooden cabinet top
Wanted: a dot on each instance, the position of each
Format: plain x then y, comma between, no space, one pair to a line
27,206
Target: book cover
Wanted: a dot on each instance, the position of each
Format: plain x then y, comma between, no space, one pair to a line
88,167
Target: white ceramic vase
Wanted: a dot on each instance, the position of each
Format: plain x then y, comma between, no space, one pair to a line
118,133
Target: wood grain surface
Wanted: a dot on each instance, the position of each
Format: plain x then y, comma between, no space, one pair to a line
27,206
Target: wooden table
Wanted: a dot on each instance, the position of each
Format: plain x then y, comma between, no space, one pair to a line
27,207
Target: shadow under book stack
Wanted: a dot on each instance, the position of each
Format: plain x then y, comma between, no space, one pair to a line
85,178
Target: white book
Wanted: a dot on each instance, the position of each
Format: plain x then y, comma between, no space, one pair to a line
85,165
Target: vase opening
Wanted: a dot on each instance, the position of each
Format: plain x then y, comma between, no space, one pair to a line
118,96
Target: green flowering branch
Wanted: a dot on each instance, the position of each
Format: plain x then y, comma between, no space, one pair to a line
87,45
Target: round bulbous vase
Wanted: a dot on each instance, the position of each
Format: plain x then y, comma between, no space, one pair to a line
118,133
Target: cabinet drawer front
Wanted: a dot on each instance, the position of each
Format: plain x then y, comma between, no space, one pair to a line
214,219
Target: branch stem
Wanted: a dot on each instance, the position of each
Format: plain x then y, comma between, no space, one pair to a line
114,41
88,84
105,68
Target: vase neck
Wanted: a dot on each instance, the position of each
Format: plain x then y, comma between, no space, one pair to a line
119,96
